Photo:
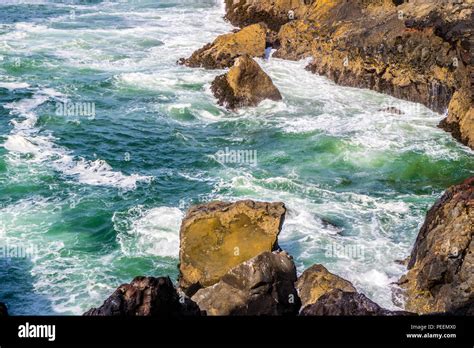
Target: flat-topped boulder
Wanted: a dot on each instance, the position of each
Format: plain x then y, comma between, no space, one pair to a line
226,48
217,236
146,296
263,285
246,84
440,274
317,281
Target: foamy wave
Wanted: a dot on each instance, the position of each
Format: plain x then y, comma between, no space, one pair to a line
24,140
153,232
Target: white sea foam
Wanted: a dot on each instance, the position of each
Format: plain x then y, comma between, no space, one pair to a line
154,232
14,85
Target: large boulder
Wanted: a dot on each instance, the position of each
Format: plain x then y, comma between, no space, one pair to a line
3,310
440,274
263,285
460,120
146,296
217,236
342,303
317,281
223,52
246,84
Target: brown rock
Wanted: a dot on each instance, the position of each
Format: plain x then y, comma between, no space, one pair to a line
216,237
341,303
3,310
274,13
417,50
246,84
441,265
223,52
317,281
260,286
146,296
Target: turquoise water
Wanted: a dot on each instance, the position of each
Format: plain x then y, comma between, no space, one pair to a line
99,200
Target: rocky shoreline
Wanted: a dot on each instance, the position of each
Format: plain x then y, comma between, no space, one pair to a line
231,264
418,50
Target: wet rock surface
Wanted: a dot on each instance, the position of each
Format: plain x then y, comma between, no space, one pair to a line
340,303
317,281
146,296
3,310
440,274
246,84
263,285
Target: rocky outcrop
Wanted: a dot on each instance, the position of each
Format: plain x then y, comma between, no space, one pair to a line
146,296
263,285
246,84
441,265
274,13
223,52
215,237
3,310
417,50
340,303
317,281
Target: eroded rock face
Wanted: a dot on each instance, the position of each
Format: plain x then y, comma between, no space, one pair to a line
317,281
246,84
263,285
441,265
216,237
3,310
274,13
146,296
223,52
339,303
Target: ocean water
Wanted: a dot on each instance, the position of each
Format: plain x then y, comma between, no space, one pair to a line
96,199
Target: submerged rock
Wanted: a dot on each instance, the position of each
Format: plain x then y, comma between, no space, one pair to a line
440,274
263,285
3,310
340,303
246,84
223,52
217,236
146,296
317,281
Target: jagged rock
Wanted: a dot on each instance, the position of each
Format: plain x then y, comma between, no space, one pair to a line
295,40
263,285
340,303
217,236
3,310
392,110
460,120
146,296
246,84
223,52
441,265
317,281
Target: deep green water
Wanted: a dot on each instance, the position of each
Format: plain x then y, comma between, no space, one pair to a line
99,200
